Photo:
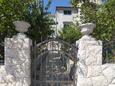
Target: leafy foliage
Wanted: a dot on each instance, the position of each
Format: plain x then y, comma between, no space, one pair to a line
75,3
70,34
106,22
40,23
32,11
102,16
88,12
109,52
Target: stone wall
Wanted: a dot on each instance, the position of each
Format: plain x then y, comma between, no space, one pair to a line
16,71
90,71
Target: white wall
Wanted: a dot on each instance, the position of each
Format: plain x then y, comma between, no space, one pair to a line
60,17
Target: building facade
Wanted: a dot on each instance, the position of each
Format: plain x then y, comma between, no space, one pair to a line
65,16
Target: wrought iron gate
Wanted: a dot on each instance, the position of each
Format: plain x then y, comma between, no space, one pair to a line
54,64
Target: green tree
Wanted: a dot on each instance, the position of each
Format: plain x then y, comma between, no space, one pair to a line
88,12
75,3
102,16
70,34
40,22
32,11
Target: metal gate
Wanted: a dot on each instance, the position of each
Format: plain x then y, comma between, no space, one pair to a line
54,63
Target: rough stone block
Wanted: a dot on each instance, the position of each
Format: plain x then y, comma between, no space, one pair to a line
20,43
99,81
94,55
4,84
16,71
113,82
111,85
84,82
94,71
81,69
109,72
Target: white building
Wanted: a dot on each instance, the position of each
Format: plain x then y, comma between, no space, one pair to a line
64,16
67,15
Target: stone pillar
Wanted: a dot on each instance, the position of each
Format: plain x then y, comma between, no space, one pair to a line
18,56
90,57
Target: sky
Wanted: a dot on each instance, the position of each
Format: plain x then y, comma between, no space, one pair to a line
57,3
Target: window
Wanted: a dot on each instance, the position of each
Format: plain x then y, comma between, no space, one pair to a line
67,12
103,1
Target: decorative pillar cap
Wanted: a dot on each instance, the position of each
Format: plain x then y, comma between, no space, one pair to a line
87,28
21,26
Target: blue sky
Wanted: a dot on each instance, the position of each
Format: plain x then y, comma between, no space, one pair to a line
57,3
